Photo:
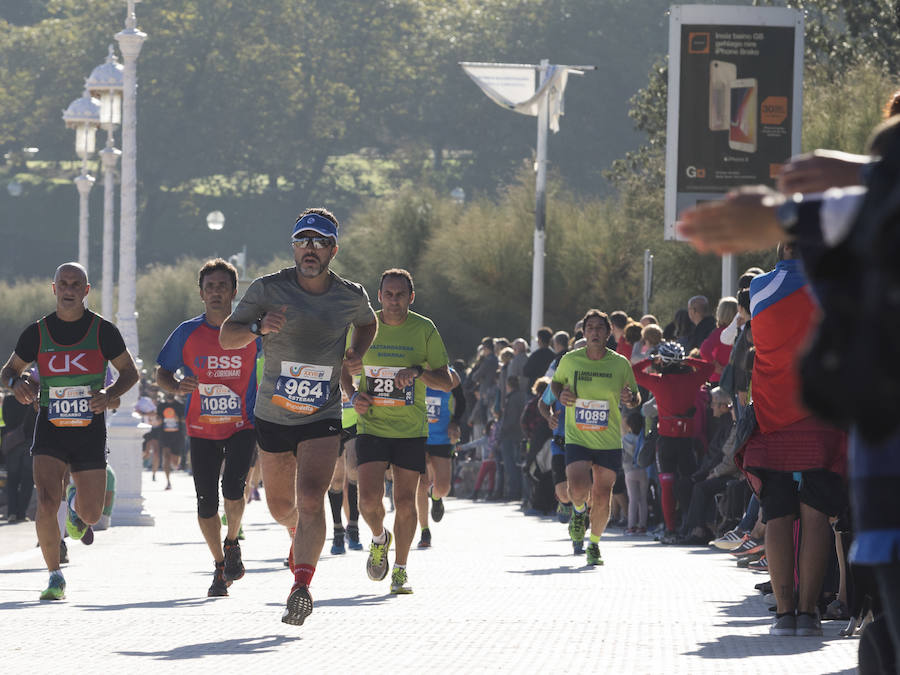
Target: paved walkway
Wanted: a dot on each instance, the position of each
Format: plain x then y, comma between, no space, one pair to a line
497,592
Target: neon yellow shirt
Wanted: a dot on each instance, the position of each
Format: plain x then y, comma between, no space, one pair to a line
399,413
594,421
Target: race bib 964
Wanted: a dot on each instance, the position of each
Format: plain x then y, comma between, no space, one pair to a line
302,387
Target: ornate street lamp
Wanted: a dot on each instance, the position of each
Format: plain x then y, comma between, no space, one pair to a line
83,115
106,83
215,220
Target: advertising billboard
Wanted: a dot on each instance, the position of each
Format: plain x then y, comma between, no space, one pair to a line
734,100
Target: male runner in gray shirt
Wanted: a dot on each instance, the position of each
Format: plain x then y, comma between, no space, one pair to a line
303,315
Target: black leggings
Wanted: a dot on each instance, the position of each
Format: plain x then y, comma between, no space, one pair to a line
206,463
676,455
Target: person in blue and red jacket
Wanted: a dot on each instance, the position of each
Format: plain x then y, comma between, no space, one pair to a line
220,385
795,463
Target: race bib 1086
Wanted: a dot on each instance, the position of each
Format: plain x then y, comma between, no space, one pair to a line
384,392
70,406
218,404
302,387
591,415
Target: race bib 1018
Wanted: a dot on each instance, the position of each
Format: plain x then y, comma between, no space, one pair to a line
70,406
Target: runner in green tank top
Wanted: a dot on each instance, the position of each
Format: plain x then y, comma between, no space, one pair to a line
406,355
71,347
591,382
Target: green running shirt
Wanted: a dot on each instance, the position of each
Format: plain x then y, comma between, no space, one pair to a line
594,421
399,413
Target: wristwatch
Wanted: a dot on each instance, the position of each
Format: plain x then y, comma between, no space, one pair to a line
788,213
419,370
256,326
799,217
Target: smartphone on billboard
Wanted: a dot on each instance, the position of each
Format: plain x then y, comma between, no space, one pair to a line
743,128
721,75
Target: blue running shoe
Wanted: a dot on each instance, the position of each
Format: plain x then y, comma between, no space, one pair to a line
337,546
353,542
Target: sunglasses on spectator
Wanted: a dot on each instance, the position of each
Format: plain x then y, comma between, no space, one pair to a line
313,242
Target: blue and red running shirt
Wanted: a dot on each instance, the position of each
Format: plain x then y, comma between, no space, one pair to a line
223,401
782,309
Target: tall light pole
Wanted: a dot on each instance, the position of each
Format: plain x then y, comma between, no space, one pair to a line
511,86
124,431
130,42
106,83
83,115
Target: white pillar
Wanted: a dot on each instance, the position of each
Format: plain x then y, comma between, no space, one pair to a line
109,156
125,437
540,212
130,42
728,276
84,183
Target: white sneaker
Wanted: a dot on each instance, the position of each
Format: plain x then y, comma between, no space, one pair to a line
729,541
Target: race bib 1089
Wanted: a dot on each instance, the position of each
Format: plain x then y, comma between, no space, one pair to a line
302,387
591,415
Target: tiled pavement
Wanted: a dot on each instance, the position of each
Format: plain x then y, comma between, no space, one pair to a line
497,592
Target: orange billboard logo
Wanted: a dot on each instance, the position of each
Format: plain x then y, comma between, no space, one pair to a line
774,110
698,43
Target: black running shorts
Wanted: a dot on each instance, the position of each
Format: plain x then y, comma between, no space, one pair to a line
82,448
407,453
274,437
445,450
608,459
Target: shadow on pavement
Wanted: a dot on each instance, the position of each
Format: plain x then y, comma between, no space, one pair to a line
179,543
354,601
552,570
735,646
240,646
155,604
22,571
750,605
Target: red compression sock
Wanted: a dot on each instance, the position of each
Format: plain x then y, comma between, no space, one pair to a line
667,499
303,574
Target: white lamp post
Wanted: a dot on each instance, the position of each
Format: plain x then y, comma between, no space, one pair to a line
106,83
130,42
124,431
83,115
